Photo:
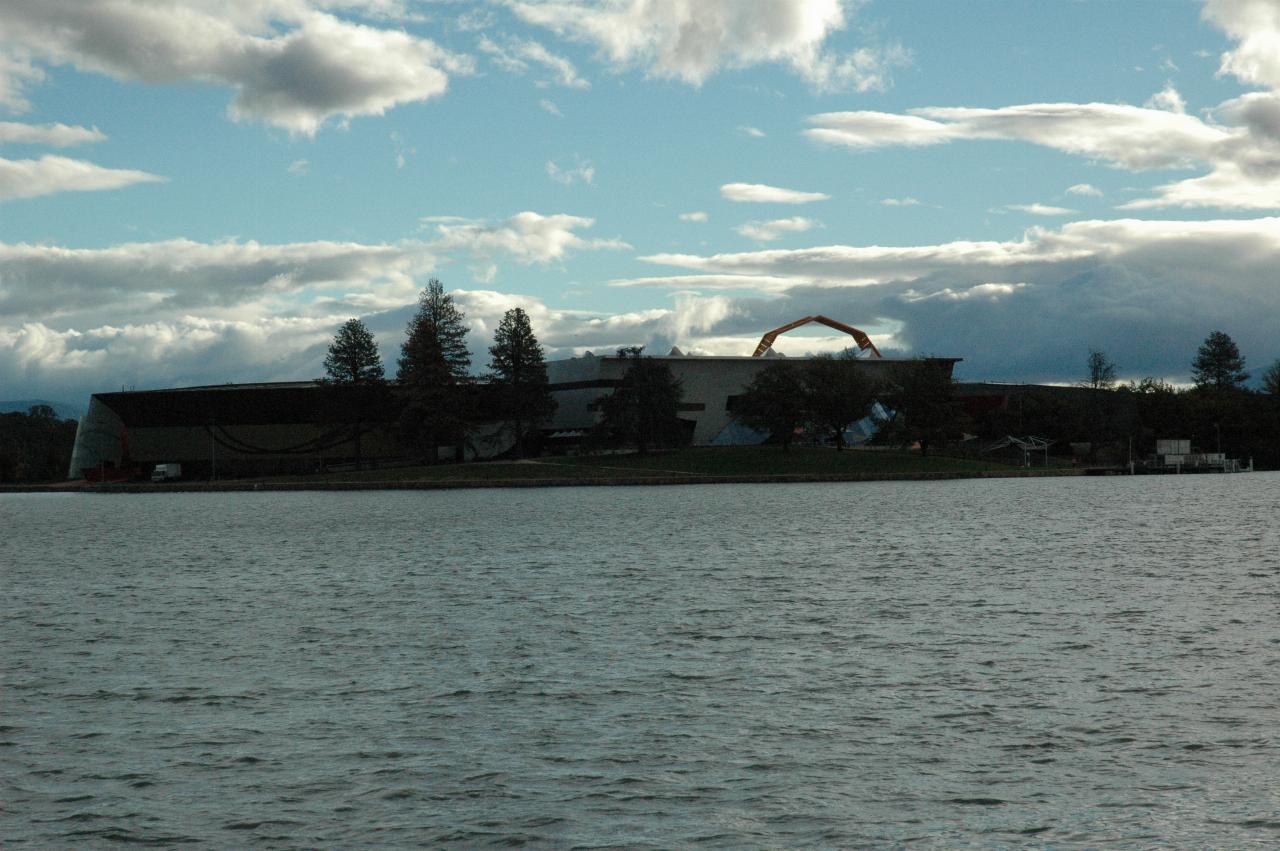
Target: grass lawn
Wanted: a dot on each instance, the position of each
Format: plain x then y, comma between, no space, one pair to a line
702,461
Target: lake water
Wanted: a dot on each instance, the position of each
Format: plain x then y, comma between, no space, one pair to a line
1066,662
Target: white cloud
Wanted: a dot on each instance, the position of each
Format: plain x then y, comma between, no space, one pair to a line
403,150
1242,152
899,202
742,283
582,171
690,40
1130,136
299,167
1255,25
1084,189
515,55
291,65
51,174
775,228
550,107
695,216
166,280
55,135
526,237
759,193
753,132
1167,99
1038,209
1146,291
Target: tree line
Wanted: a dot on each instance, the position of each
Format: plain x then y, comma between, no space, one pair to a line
1114,420
35,446
437,403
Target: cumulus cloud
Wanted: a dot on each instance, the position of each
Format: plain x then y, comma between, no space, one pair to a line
776,228
1084,189
753,132
899,202
1255,25
759,193
50,174
690,40
517,55
526,237
550,107
695,216
290,64
54,135
1147,291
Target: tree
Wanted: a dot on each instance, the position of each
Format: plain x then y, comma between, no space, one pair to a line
774,401
520,375
643,410
836,394
434,371
920,396
1271,379
353,367
1102,371
1218,363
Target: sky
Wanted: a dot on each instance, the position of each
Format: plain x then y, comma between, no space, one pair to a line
201,191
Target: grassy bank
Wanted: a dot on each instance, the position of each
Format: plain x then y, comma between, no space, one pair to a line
686,466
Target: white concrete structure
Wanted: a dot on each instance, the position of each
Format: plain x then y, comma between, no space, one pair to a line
710,383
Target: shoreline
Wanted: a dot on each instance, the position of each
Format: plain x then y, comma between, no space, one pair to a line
549,482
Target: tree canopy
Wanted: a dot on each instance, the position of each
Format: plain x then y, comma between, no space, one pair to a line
774,402
643,410
520,375
1271,379
353,368
920,397
1218,363
433,370
353,357
836,394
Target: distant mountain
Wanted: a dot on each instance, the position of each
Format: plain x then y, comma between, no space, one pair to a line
65,410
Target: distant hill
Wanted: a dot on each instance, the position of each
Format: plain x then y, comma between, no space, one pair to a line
65,410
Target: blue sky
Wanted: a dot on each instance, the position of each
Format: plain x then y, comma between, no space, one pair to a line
197,192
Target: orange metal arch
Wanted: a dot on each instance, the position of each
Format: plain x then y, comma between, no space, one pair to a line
860,337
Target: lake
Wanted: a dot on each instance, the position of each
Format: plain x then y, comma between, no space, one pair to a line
1068,662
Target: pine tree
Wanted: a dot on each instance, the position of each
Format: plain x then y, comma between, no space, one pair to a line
353,368
1218,363
520,375
434,370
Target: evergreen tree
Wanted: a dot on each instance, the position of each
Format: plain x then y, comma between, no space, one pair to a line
353,370
836,394
520,375
774,401
643,410
1218,363
434,371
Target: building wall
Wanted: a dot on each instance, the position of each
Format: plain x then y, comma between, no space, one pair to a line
708,384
